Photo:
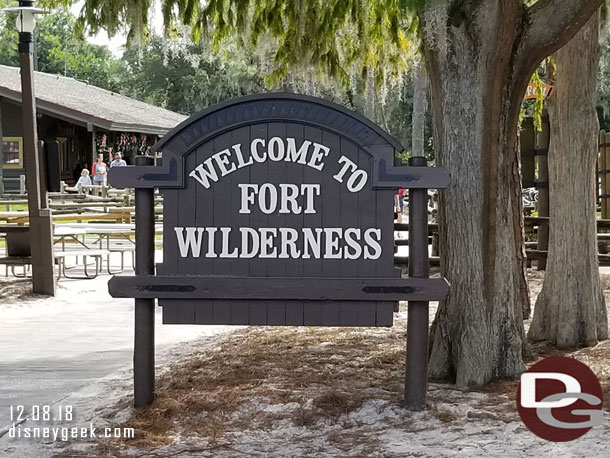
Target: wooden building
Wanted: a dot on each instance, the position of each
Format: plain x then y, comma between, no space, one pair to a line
84,119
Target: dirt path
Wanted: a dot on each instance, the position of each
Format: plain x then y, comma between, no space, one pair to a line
52,348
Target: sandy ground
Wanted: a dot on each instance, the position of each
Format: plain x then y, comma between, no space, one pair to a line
73,343
282,392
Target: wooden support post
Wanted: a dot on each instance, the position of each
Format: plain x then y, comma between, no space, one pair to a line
416,376
542,184
599,176
144,342
92,129
41,227
606,175
1,154
42,184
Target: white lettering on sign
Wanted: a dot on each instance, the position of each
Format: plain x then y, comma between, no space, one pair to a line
297,156
318,155
189,242
268,198
283,243
250,242
281,199
357,177
277,149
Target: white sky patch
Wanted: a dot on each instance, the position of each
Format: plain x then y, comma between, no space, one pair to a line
116,44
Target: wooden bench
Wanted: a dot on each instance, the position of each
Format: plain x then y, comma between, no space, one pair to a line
60,259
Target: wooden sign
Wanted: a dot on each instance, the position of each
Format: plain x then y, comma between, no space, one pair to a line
531,92
278,210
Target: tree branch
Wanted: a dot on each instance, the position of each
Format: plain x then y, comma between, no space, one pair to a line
553,23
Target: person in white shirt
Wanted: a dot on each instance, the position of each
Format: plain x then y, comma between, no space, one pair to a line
118,162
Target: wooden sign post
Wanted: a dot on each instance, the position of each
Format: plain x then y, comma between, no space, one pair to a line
278,210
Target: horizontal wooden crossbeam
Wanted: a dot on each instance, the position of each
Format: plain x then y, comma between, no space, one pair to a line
146,176
279,288
544,220
604,259
406,177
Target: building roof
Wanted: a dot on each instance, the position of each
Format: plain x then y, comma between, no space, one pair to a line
84,104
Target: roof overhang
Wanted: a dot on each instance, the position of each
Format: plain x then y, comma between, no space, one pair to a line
83,119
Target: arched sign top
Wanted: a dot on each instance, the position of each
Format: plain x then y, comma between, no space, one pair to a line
283,107
292,111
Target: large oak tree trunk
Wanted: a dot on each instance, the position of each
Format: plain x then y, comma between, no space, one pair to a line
570,309
478,332
369,100
480,56
419,110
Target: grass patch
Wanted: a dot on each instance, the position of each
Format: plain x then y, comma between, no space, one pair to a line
260,376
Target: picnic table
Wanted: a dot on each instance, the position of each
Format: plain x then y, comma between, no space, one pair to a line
118,238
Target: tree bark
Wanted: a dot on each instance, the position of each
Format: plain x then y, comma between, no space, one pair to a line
310,88
571,310
419,110
369,103
480,56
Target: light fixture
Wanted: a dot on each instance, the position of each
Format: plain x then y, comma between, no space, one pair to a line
26,12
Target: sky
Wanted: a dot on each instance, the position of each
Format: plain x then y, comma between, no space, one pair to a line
116,44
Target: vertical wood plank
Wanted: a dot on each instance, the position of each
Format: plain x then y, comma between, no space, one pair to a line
240,310
543,139
607,175
333,199
187,217
312,311
598,174
223,216
276,310
350,211
258,266
367,219
294,174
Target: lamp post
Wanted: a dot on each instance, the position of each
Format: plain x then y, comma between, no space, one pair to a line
41,228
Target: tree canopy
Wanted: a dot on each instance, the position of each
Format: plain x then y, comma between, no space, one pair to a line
60,52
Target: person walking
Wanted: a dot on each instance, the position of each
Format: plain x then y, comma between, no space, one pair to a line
99,172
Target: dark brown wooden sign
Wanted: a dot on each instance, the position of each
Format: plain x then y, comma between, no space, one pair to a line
278,210
267,190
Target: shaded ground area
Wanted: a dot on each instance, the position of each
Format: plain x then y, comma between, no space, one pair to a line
315,392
